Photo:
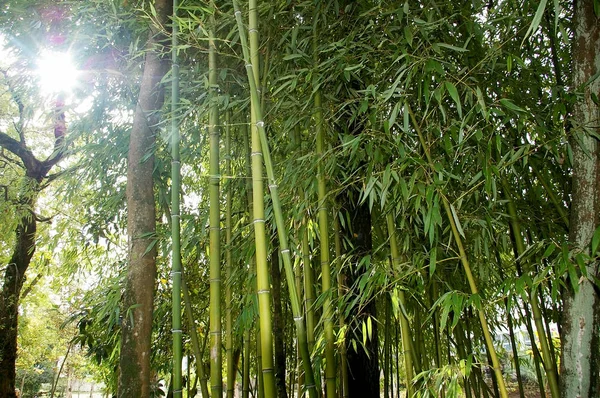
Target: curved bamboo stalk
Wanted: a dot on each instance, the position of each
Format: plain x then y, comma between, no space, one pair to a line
251,69
194,338
548,361
465,262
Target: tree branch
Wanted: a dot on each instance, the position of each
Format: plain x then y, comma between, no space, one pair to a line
19,149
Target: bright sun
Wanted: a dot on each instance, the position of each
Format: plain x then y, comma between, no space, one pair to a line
57,72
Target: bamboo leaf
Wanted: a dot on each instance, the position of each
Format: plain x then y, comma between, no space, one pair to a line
457,221
537,18
432,261
451,47
510,105
454,94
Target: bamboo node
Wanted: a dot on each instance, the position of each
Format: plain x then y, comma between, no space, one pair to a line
256,154
298,318
273,186
175,273
285,251
237,13
263,291
253,30
260,124
259,220
176,331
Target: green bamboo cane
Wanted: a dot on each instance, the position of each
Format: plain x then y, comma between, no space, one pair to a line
344,388
281,230
216,382
548,362
309,292
404,325
330,365
229,264
465,262
175,216
246,365
194,338
265,340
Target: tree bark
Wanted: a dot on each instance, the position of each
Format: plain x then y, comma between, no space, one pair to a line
363,362
580,349
14,275
138,297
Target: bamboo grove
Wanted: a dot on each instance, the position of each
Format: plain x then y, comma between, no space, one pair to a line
368,198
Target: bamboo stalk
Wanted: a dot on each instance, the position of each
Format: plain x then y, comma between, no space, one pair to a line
194,338
404,325
175,213
216,367
327,289
467,268
229,264
548,361
344,389
252,72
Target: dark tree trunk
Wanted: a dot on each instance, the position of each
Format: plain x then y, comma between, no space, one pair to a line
14,276
363,363
278,326
138,297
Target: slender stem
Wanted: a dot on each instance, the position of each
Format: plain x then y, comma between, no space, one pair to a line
216,366
229,264
465,262
194,338
327,289
548,361
175,212
404,325
251,69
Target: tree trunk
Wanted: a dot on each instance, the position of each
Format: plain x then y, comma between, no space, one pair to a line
580,351
138,297
14,276
363,362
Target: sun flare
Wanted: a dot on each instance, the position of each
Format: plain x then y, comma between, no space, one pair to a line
57,72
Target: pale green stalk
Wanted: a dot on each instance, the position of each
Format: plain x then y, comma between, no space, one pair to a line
194,338
548,361
216,381
251,69
344,389
330,364
229,264
465,262
404,325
